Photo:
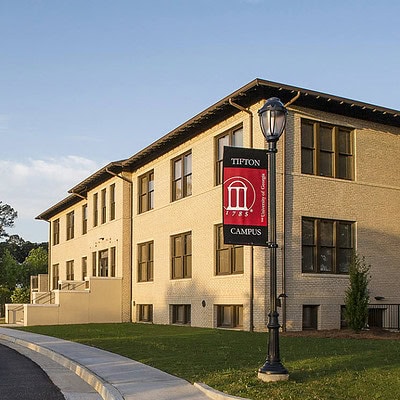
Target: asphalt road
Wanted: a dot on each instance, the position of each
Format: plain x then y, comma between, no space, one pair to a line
22,379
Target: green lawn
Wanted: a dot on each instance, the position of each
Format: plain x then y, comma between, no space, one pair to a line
320,368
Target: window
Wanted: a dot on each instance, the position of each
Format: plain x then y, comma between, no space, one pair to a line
181,314
112,261
56,231
70,225
103,263
84,219
230,316
95,209
310,318
56,276
146,192
233,137
94,264
145,262
229,258
145,312
182,177
103,206
84,268
181,249
70,270
112,202
326,150
327,245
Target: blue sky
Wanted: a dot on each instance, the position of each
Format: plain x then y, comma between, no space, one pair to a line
86,82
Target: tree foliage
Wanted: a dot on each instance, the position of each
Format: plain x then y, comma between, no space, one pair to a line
7,217
357,294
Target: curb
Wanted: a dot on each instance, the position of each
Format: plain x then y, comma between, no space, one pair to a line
105,389
215,394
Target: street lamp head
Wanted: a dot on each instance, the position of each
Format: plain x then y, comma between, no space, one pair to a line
272,119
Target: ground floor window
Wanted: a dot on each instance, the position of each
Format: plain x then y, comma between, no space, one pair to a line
56,276
310,317
70,270
145,312
230,316
181,314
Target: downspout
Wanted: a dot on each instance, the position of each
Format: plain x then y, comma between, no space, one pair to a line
283,299
131,234
251,319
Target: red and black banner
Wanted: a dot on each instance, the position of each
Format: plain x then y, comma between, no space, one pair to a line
245,196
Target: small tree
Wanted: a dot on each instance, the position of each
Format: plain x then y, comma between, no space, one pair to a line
357,294
20,295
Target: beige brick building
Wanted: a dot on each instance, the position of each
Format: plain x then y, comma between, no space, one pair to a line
140,240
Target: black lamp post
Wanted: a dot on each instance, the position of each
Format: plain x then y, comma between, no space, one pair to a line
273,121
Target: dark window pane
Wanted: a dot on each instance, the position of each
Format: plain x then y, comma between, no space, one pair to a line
307,135
326,233
344,141
307,161
308,259
326,259
325,138
344,235
325,164
345,164
343,260
307,232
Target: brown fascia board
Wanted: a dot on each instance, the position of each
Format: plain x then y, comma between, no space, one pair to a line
79,191
251,93
60,206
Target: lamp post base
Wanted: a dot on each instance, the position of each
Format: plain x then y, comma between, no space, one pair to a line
272,377
273,372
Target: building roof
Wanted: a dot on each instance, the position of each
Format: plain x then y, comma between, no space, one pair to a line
249,94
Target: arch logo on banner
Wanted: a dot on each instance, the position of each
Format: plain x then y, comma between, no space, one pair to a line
245,196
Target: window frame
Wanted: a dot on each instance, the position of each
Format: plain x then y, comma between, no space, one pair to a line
183,181
69,268
234,252
84,219
319,248
112,202
230,135
103,194
235,316
145,262
55,275
145,312
319,149
184,256
181,314
56,231
70,225
103,263
146,197
95,209
84,267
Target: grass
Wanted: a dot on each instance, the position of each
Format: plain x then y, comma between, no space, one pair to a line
320,368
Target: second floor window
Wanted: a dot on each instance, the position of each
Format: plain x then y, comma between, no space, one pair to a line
229,258
234,138
181,255
70,225
95,209
84,219
326,150
112,202
145,262
327,245
103,206
56,231
146,192
182,177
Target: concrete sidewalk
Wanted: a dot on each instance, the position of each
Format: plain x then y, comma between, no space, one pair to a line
107,375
